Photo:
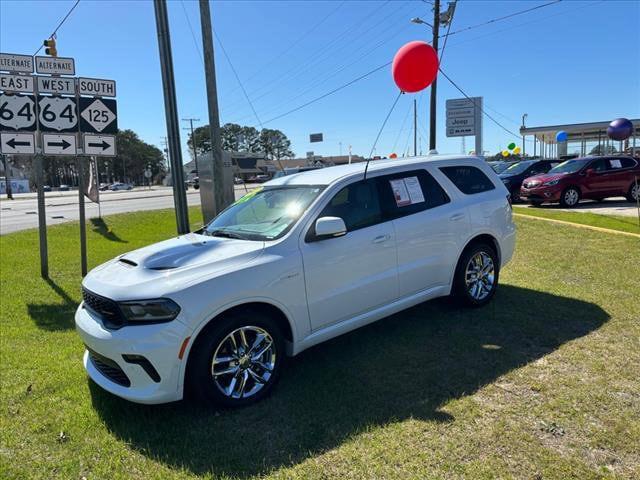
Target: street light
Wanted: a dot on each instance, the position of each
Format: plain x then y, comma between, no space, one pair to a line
419,21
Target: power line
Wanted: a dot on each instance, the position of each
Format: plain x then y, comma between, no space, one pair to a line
60,24
337,89
446,37
193,35
224,51
501,18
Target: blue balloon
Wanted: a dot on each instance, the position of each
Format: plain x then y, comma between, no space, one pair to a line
561,136
620,129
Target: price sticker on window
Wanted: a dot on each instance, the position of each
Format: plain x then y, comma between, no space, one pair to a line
407,191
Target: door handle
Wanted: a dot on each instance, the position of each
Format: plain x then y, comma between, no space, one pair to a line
381,238
456,217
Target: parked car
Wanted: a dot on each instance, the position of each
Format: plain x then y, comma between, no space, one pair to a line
238,181
104,187
259,179
46,188
299,261
595,178
120,186
515,174
500,166
64,188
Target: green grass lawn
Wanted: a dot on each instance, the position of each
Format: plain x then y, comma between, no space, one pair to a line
541,384
614,222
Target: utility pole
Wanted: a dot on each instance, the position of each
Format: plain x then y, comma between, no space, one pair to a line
432,103
193,139
171,113
214,116
415,128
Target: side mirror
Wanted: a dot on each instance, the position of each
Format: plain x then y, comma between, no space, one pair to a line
330,227
590,172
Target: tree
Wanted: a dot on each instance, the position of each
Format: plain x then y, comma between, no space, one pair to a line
274,144
134,156
233,137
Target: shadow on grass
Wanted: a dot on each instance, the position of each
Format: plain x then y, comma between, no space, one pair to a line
101,227
406,366
53,316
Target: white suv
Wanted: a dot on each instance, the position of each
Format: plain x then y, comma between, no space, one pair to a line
302,259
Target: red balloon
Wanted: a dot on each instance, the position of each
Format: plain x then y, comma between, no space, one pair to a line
415,66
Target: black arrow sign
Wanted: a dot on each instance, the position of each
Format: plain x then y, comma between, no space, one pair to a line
104,145
64,144
13,143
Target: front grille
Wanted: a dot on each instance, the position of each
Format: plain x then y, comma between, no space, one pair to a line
107,309
109,369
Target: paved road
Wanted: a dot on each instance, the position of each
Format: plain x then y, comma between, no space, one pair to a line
22,213
610,206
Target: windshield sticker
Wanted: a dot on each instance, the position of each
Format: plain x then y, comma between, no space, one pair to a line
249,195
407,191
615,163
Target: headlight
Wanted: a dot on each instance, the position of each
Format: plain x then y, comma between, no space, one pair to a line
150,311
551,182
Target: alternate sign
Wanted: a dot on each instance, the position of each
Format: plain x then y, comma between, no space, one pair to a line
53,144
55,65
98,115
17,112
17,143
57,114
104,145
16,83
56,85
10,62
96,87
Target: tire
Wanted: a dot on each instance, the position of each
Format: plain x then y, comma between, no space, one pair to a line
634,191
238,386
515,196
467,288
570,197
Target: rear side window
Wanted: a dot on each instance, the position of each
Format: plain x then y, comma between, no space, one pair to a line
406,193
468,179
615,163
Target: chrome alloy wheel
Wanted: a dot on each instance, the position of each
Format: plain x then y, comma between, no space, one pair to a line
243,362
480,276
571,196
635,191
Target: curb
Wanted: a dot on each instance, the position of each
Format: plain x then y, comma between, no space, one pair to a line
580,225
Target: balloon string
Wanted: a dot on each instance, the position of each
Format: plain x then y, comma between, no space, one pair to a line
366,167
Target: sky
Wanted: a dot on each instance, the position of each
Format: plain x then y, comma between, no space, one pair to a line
570,62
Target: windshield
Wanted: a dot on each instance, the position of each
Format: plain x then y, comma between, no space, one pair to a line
263,214
570,166
500,167
518,168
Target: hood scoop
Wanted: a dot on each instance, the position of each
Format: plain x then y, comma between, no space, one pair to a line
126,261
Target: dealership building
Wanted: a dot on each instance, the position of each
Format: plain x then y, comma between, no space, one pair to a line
582,139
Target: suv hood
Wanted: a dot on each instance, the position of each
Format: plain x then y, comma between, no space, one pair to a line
162,267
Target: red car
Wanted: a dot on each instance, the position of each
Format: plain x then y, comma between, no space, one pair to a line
590,177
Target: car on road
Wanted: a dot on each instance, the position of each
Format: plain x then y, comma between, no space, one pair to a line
514,175
104,187
46,188
302,259
594,178
259,179
120,186
64,188
238,181
499,166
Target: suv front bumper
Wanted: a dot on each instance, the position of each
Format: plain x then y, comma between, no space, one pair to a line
541,193
158,344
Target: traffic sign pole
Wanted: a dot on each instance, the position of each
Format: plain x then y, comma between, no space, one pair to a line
83,227
42,219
